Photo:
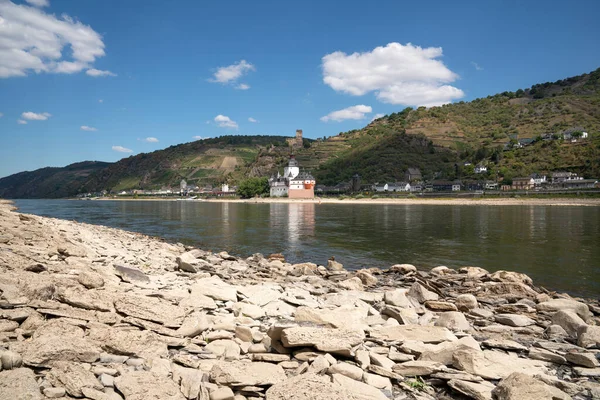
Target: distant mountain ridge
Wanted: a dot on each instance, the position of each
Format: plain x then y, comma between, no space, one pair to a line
438,140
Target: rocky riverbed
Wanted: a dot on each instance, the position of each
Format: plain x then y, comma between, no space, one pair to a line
103,314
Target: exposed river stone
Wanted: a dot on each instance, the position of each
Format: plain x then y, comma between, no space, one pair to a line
324,339
181,323
148,308
240,373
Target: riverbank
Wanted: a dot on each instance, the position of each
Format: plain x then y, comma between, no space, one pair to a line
403,201
100,313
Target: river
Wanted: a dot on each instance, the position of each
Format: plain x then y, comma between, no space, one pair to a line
558,246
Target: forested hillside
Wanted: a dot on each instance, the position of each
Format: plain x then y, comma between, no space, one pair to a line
438,140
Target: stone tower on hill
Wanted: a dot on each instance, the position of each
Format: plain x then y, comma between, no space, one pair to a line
296,142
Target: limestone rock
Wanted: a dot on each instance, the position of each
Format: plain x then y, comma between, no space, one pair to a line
240,373
223,393
519,386
358,389
366,278
440,306
554,305
511,276
87,299
249,310
189,262
341,317
426,334
403,268
453,320
405,316
333,265
131,275
309,387
546,355
19,384
420,294
477,391
10,360
443,352
587,360
215,288
144,385
589,336
515,320
260,295
397,298
323,339
73,377
491,364
90,280
148,308
224,347
346,369
129,342
57,340
418,368
569,321
352,284
194,324
473,272
189,380
466,302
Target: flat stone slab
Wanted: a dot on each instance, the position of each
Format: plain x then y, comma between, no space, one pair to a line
324,339
425,334
240,373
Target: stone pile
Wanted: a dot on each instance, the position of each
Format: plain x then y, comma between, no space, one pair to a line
97,313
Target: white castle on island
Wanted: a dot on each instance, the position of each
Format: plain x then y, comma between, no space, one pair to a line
293,183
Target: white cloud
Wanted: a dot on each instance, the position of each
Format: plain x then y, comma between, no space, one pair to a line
232,73
354,112
1,115
242,86
151,140
225,122
38,3
99,73
122,149
33,41
199,137
21,122
477,66
377,116
252,120
398,74
100,101
88,128
35,117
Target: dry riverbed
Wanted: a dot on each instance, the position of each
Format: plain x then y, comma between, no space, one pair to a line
98,313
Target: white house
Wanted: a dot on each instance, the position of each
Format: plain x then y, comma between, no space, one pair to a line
480,169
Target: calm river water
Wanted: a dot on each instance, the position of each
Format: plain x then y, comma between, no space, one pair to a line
558,246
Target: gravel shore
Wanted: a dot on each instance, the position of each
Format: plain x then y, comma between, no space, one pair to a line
99,313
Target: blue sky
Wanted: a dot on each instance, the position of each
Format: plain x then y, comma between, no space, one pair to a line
91,80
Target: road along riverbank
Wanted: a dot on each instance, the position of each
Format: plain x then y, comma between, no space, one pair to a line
94,312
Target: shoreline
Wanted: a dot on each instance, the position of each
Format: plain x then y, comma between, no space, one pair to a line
590,202
102,313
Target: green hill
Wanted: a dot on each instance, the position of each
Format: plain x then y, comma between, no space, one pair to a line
438,140
49,182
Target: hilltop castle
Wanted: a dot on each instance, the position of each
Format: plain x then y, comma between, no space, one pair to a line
296,142
293,183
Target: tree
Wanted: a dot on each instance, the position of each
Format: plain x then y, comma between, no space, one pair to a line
253,187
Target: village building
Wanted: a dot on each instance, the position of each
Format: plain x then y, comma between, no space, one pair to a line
523,183
413,175
294,183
